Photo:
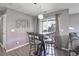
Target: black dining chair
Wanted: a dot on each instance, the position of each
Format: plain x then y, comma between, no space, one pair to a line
36,44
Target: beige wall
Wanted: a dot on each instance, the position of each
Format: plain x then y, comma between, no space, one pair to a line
63,27
2,12
74,22
20,33
1,29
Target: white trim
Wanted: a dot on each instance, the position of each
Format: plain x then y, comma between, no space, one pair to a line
4,30
16,47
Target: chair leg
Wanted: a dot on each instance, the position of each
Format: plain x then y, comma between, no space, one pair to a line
46,46
38,48
51,49
40,52
44,49
30,53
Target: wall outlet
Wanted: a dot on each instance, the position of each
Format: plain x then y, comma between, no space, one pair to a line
17,42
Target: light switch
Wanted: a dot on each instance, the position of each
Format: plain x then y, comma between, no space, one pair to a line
17,42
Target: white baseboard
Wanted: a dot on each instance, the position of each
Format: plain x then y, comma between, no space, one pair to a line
16,47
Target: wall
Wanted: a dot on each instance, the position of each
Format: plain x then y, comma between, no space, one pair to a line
63,27
2,12
74,22
19,36
1,29
35,21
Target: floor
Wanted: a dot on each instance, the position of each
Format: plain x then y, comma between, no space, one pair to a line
51,51
24,51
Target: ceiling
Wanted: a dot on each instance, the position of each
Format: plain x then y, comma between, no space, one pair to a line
31,9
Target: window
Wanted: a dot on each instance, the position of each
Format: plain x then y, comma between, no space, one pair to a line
47,26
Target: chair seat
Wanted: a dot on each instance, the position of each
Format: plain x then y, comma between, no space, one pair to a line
37,42
49,42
